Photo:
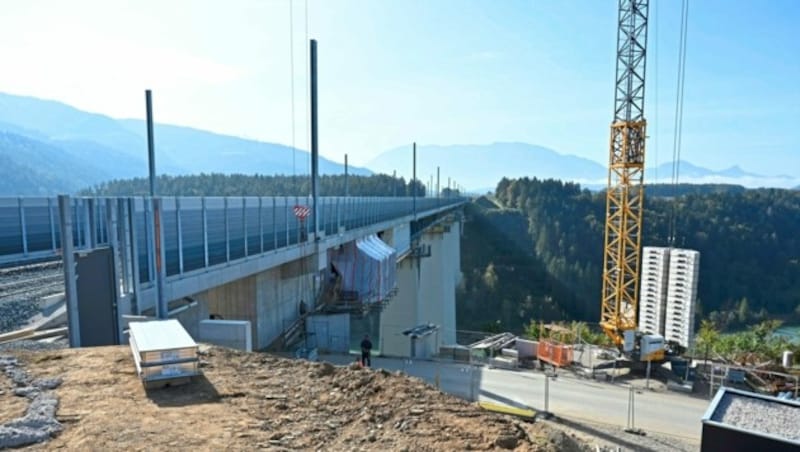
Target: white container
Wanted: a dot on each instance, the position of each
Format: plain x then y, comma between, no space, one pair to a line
163,350
788,359
526,348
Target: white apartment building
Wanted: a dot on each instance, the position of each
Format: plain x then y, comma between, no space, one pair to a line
653,289
684,270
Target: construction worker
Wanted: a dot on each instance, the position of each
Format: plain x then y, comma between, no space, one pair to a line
366,350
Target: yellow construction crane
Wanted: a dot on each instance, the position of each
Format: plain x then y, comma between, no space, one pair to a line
625,194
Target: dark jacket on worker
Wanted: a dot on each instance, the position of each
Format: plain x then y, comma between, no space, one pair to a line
366,346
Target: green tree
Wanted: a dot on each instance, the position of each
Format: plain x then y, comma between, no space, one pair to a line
533,329
707,337
743,311
490,276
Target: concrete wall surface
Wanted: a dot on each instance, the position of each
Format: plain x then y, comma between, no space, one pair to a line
235,334
277,301
330,333
402,311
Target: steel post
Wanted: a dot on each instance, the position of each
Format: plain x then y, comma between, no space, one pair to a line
91,224
151,155
314,136
111,222
70,278
274,223
414,180
52,224
135,254
22,226
244,225
546,393
437,182
125,246
160,254
179,226
261,224
204,208
227,233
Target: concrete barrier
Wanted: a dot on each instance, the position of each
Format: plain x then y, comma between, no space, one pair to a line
51,300
227,333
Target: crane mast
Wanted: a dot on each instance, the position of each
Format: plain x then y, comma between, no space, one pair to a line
625,194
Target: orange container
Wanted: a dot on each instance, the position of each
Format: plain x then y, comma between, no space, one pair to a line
559,355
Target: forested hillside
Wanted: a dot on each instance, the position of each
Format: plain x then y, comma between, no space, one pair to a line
748,240
246,185
669,190
505,285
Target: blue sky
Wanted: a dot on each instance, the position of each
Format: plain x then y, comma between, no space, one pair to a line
433,71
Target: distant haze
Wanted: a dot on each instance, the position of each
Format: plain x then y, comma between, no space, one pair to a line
480,167
48,147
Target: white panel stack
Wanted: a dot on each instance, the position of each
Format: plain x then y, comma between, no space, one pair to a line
684,270
653,290
163,352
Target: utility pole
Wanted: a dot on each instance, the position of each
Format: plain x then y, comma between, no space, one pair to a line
162,309
394,183
437,182
414,180
151,158
314,136
346,186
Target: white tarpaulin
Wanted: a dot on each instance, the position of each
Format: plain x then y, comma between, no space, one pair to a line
368,268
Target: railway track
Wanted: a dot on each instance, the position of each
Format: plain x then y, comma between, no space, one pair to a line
23,287
32,287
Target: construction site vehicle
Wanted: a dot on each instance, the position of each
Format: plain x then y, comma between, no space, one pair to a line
625,193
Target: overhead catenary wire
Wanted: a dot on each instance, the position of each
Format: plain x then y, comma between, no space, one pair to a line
678,129
291,78
655,113
308,94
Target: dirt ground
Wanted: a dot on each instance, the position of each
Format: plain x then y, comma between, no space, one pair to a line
249,401
11,407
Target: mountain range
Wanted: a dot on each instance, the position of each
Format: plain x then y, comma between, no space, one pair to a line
478,168
48,147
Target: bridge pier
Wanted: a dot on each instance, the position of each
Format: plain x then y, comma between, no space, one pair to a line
426,281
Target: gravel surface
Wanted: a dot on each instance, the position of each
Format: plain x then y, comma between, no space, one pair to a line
759,415
21,290
39,422
35,345
16,314
606,437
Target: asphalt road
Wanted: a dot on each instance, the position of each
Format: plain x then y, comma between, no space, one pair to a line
569,397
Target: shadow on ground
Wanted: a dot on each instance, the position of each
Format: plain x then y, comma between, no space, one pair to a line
196,392
617,440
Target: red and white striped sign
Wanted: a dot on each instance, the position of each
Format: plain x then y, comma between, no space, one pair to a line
301,212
